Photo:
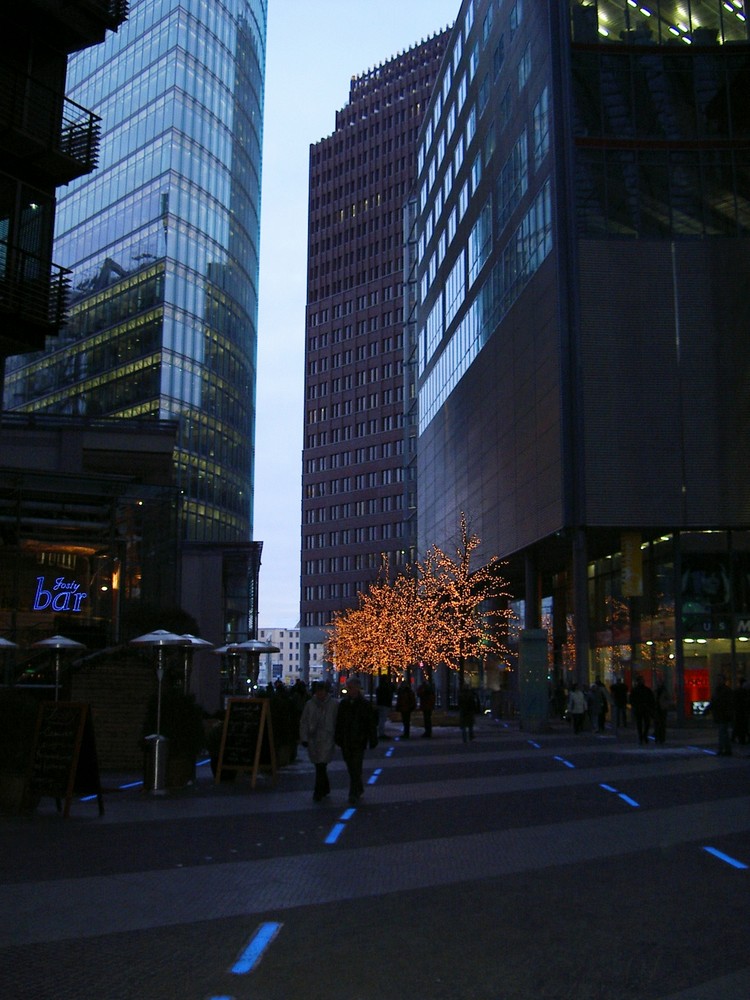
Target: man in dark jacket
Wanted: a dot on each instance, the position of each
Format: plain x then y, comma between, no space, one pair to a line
722,709
356,729
426,692
643,704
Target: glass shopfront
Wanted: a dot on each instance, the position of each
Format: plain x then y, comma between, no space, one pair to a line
689,622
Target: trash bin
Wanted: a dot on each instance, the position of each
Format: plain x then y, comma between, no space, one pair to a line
156,752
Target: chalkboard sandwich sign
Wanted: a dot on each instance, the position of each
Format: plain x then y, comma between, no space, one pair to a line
247,738
63,759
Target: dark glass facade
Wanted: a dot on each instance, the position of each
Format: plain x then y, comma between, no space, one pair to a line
579,333
46,140
162,243
353,502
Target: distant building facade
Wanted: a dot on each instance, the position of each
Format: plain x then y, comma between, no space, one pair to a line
580,259
353,491
287,664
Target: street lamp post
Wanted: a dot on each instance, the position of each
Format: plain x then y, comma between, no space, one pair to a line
254,648
157,771
58,643
192,642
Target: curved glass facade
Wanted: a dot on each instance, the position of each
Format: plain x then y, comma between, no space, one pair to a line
163,241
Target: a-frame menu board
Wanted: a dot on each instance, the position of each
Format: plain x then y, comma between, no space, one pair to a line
247,738
64,761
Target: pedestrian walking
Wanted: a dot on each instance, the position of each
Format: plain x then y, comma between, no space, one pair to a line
741,712
356,729
643,704
426,692
317,731
619,692
597,704
661,707
576,707
468,706
384,702
721,707
405,703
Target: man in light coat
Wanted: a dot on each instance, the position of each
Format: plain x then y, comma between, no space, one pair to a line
317,729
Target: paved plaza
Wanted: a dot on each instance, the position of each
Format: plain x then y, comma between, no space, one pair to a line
515,867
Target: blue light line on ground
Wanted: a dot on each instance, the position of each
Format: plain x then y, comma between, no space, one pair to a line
348,814
255,947
564,761
608,788
374,777
725,857
335,833
533,744
389,753
630,802
131,784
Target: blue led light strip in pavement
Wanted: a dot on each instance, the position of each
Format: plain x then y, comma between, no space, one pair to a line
375,775
563,761
608,788
630,802
255,948
533,744
335,833
725,857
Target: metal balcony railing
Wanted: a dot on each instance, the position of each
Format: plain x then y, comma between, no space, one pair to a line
32,290
37,122
111,12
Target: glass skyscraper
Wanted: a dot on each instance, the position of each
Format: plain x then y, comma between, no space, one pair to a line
162,244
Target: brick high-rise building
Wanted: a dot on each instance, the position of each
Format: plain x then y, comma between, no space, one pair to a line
353,491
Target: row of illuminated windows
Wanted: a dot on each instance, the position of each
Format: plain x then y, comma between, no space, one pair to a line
105,395
346,431
350,536
365,351
360,456
517,263
134,342
215,489
348,564
346,407
362,481
375,505
320,390
205,523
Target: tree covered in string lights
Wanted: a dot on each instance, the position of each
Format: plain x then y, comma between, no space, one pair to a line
442,610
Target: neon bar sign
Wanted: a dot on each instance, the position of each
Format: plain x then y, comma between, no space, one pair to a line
63,595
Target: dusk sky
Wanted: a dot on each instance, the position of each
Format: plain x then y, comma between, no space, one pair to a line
314,48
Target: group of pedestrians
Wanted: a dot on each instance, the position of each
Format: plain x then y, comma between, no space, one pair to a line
648,707
731,712
591,703
351,725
